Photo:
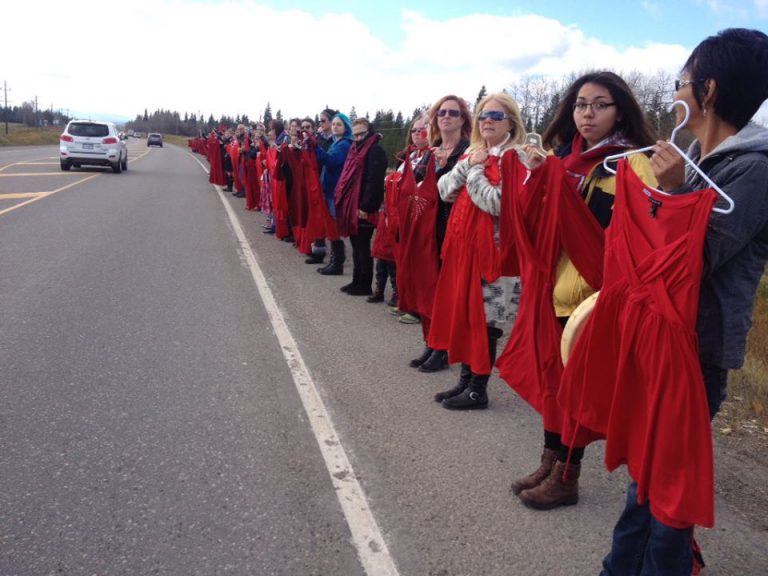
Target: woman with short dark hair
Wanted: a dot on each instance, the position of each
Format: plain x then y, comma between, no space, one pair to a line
724,83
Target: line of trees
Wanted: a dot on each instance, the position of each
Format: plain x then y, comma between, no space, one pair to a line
30,116
537,96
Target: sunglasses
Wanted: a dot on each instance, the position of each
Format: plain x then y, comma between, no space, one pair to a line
306,127
493,115
449,112
417,130
683,83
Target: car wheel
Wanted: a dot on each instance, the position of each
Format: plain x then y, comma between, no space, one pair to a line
116,167
65,165
124,165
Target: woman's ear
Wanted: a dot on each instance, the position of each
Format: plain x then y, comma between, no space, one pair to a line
710,93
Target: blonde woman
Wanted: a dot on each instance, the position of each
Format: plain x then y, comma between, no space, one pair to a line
473,300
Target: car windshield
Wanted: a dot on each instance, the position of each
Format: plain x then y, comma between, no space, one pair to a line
87,129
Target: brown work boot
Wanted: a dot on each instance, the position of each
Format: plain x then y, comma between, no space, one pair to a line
533,479
556,490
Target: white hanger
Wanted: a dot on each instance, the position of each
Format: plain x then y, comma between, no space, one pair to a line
691,163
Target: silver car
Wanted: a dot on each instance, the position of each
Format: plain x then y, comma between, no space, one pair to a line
84,142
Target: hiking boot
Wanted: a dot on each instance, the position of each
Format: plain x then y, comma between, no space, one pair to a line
535,478
464,378
560,488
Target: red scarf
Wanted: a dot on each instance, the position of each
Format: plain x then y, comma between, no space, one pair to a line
579,164
348,189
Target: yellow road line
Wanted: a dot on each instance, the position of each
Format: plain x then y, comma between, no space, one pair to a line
39,174
19,195
12,208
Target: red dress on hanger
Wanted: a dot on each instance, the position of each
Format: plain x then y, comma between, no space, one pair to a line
417,267
634,374
469,255
538,220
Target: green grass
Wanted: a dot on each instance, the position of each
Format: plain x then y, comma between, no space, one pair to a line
23,135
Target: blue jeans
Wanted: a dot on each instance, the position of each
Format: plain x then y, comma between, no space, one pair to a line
643,546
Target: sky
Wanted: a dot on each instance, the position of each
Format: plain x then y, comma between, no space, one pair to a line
109,59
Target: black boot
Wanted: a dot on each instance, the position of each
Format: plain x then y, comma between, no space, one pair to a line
348,288
377,296
438,360
363,283
475,396
464,378
318,253
416,362
336,265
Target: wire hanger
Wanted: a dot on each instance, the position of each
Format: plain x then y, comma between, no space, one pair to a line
691,163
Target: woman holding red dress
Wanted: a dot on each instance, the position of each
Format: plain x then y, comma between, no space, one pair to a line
598,116
449,129
473,299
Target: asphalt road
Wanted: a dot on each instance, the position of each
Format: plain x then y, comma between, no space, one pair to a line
150,424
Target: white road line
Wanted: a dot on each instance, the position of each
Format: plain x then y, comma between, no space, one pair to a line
366,535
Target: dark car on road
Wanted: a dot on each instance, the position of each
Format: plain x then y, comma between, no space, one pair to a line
155,139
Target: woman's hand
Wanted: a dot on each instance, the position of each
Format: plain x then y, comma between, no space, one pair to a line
478,157
534,155
441,156
668,166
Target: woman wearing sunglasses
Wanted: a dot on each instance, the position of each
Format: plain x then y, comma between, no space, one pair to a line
472,300
724,82
598,116
449,129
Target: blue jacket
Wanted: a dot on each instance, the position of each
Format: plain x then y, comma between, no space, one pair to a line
332,162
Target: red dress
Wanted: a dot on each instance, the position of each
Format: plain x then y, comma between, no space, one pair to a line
320,223
279,197
216,175
539,220
251,179
417,266
634,373
470,255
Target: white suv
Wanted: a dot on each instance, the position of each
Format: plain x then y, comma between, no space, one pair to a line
87,142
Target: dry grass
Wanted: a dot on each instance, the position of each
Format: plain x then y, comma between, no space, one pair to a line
22,135
746,411
178,140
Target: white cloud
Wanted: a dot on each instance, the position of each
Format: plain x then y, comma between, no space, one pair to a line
233,57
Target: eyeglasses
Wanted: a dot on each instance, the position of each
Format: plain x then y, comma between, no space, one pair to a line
596,107
359,135
306,127
494,115
683,83
323,120
450,112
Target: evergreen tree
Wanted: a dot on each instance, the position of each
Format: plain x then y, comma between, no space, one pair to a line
482,94
267,115
352,114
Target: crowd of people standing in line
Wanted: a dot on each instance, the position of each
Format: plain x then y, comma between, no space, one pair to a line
479,231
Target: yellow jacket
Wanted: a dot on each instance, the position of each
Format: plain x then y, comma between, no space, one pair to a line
570,288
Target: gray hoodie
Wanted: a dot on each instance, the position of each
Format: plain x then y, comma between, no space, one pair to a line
736,245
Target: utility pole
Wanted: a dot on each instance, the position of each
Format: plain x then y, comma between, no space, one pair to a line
37,120
5,108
